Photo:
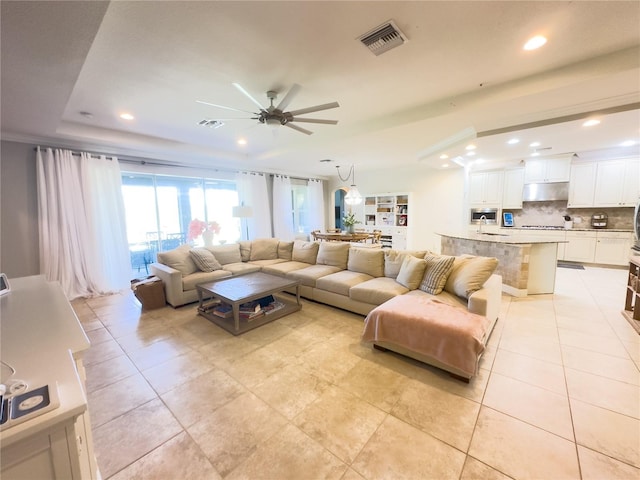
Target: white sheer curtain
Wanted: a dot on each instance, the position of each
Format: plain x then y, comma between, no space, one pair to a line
316,204
252,192
282,204
83,241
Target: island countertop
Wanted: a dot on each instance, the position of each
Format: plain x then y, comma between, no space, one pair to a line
499,238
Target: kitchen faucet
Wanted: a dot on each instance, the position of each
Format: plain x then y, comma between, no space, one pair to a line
483,218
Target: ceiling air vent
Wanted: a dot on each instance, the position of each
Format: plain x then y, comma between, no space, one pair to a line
383,38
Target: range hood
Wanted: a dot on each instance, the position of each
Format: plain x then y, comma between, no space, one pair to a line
545,192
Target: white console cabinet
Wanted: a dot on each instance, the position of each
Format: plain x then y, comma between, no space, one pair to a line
391,214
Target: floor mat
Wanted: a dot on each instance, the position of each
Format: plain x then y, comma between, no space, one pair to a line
575,266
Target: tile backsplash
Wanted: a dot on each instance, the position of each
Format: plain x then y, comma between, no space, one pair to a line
552,214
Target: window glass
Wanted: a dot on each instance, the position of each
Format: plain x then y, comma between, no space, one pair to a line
300,204
160,209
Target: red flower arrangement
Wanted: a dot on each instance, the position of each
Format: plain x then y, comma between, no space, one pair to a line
198,227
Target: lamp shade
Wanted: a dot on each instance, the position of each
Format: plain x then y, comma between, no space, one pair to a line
242,211
353,196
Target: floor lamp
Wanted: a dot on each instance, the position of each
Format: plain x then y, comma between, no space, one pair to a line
243,212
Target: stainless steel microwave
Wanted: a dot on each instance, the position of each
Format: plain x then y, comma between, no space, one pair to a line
486,216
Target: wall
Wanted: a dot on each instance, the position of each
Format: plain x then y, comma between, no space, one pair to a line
19,244
437,199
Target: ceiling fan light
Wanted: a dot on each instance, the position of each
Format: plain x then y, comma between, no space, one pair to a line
353,196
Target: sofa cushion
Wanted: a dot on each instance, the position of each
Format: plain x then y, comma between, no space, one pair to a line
285,250
393,260
308,276
335,254
245,250
436,274
341,282
283,268
190,281
226,253
366,260
178,259
469,274
306,252
204,260
376,290
241,267
411,272
264,263
264,249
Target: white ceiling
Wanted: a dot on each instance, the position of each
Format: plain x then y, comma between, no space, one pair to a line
462,68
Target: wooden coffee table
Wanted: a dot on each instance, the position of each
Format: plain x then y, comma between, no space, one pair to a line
245,288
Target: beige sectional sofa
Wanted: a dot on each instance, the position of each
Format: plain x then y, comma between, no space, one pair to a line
436,295
335,273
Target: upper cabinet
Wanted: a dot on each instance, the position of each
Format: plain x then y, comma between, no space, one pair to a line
582,185
485,189
513,186
547,170
617,183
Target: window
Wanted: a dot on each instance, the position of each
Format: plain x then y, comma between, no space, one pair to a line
160,208
300,204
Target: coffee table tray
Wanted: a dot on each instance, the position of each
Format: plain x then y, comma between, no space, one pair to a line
237,290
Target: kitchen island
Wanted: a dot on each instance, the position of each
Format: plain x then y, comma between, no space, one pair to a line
527,264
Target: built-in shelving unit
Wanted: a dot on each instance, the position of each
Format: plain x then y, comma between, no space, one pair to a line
388,213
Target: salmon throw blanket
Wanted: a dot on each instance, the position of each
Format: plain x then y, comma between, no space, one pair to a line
448,334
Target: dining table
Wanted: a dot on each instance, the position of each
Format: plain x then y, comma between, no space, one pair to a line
344,236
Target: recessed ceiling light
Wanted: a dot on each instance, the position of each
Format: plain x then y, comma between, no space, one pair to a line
628,143
471,146
535,42
535,154
591,123
513,141
126,116
242,141
471,154
534,144
444,156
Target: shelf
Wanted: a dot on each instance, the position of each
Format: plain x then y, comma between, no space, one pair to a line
632,301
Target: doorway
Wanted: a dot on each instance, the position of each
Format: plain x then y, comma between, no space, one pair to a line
339,210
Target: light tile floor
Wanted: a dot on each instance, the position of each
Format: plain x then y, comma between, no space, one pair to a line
173,396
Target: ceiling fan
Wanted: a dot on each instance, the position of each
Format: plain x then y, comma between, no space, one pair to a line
276,115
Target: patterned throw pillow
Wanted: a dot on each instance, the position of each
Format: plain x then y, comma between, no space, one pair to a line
204,260
435,277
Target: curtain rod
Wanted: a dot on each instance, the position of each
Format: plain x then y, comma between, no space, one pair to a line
134,161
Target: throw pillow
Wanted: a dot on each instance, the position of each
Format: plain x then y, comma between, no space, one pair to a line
335,254
411,272
436,274
179,259
393,260
469,274
264,249
204,260
306,252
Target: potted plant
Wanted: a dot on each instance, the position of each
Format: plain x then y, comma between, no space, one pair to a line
206,229
349,221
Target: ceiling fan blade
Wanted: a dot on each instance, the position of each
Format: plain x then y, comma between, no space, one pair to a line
293,91
314,120
226,108
248,95
317,108
300,129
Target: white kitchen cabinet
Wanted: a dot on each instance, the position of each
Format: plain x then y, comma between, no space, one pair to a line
552,235
612,248
485,189
513,186
547,170
582,184
617,183
581,246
